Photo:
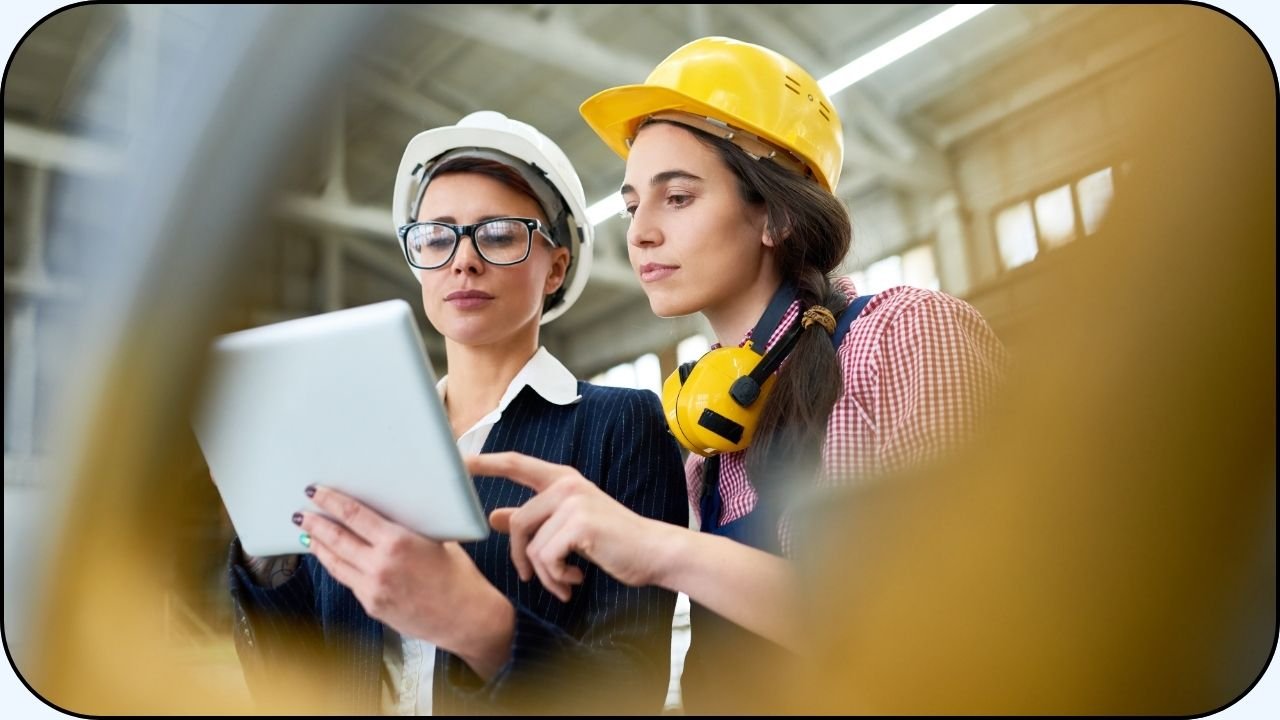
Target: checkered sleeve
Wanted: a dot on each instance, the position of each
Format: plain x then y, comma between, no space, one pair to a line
919,374
920,371
939,364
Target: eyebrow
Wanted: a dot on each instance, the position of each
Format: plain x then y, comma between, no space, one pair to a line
663,178
454,221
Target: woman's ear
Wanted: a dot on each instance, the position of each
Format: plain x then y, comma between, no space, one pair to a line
768,238
559,268
771,240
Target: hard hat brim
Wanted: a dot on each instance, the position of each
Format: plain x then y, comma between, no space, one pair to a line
614,115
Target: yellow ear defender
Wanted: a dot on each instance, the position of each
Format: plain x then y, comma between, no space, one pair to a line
714,403
702,412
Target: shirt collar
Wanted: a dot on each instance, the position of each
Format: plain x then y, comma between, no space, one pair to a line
544,373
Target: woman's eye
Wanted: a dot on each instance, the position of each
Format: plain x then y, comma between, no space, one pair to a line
679,200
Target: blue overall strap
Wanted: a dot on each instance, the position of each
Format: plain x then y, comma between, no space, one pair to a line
711,501
778,306
847,317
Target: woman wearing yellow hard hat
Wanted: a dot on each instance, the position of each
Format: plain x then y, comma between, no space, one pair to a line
733,153
490,216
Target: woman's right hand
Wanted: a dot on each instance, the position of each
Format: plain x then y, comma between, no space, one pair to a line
570,514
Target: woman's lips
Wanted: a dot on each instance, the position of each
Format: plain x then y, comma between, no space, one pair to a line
653,272
468,299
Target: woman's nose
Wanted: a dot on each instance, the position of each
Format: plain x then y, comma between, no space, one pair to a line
642,231
466,259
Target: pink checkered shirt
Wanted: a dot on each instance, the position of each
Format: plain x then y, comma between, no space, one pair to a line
919,368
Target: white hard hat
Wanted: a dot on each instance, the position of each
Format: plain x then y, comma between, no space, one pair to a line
487,130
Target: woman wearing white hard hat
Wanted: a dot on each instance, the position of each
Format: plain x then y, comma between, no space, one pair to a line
491,218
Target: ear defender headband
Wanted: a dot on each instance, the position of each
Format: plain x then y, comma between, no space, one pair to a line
714,403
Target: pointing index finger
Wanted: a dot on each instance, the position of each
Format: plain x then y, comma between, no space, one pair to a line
530,472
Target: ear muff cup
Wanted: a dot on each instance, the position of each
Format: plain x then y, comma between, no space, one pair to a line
701,413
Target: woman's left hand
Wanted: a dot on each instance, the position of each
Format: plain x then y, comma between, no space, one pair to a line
420,587
570,514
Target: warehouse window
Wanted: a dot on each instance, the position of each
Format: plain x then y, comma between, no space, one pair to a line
1050,219
1094,192
1056,217
915,267
1016,235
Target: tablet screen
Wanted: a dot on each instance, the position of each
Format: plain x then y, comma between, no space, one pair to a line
345,399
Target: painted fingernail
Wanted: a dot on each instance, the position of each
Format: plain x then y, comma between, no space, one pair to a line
305,539
311,491
297,518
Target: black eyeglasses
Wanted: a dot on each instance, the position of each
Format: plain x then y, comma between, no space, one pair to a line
500,241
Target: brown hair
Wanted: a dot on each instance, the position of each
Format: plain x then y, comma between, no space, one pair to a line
812,234
510,177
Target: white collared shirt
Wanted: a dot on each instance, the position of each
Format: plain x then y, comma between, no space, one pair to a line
411,662
544,373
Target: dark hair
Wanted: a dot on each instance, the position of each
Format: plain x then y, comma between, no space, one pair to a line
812,234
510,177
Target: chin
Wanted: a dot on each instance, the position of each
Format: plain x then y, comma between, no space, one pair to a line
465,335
669,305
468,329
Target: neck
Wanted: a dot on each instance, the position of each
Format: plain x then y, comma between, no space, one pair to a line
480,374
731,320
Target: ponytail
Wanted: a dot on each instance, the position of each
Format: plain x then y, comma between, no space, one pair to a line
793,425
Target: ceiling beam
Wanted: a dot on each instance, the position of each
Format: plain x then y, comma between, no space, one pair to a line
426,111
362,226
44,148
1048,85
362,220
1028,26
89,54
900,142
558,42
914,175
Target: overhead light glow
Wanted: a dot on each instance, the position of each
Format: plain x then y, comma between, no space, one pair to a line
605,209
913,39
867,63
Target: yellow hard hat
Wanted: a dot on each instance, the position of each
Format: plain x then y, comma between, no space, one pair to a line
748,87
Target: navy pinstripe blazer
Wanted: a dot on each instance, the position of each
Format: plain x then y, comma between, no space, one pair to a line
605,651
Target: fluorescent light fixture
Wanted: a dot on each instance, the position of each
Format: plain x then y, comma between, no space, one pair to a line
918,36
913,39
605,209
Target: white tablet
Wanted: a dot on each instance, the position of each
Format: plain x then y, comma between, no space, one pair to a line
346,399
